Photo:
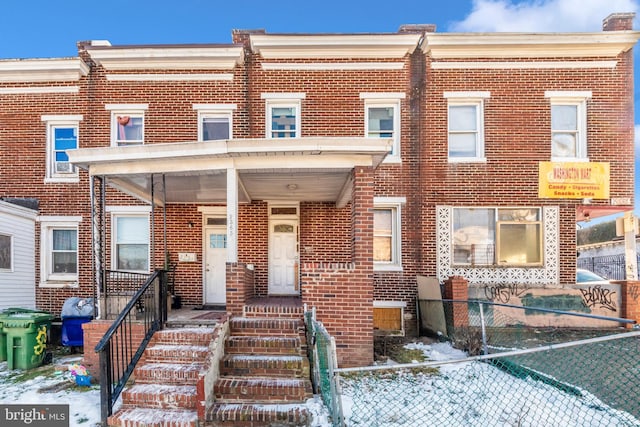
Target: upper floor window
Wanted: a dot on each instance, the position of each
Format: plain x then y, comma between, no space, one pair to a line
130,241
127,124
6,252
59,251
214,121
382,119
466,126
283,114
497,236
387,242
62,135
568,125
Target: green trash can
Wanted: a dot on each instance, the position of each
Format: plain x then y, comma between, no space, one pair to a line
26,337
3,337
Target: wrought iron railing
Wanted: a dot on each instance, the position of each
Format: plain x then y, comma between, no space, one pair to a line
122,345
122,282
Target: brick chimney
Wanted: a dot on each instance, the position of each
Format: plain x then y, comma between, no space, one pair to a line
618,22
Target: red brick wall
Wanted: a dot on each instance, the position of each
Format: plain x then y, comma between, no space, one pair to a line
517,137
93,333
630,291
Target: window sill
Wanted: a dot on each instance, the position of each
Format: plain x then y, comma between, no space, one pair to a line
570,159
59,284
387,267
62,180
392,160
467,160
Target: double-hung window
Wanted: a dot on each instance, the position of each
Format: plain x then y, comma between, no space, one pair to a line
62,135
6,252
130,240
127,124
568,125
59,251
465,118
283,114
387,243
497,236
382,119
215,121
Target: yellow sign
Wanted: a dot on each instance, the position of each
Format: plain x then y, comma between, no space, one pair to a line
573,180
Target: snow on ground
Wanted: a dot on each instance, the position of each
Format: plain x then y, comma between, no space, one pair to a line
52,384
462,394
468,394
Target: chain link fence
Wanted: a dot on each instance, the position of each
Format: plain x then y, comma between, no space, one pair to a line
322,355
495,371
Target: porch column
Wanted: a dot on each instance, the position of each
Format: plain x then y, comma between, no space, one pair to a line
232,215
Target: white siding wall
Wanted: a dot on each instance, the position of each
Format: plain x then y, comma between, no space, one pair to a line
17,287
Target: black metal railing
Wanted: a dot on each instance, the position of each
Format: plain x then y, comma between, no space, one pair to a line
122,345
116,282
611,267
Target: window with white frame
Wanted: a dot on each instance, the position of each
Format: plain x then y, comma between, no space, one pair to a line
215,121
6,252
130,241
466,126
62,135
127,124
497,236
59,251
568,125
283,114
387,243
382,119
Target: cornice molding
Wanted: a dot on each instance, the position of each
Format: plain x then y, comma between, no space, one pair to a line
42,70
296,46
528,45
167,57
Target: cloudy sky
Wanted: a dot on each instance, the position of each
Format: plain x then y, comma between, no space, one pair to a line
45,28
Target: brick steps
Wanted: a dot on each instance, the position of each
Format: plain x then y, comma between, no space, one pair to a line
264,375
263,345
152,417
176,353
184,336
161,396
249,415
264,365
164,393
262,390
167,373
262,326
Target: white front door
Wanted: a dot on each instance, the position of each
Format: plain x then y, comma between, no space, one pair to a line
215,265
283,257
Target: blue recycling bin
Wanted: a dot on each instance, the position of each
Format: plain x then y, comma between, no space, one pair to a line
75,312
72,335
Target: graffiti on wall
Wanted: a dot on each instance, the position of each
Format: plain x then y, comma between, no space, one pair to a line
597,296
504,293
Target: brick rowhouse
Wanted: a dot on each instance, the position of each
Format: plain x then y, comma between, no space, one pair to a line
355,218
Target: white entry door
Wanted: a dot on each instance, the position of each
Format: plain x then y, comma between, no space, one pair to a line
215,266
283,257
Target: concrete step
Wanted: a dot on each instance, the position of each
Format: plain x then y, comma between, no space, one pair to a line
248,415
171,353
168,373
265,366
264,345
262,390
153,417
263,326
160,396
200,336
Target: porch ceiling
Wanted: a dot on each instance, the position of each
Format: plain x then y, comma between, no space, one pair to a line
302,169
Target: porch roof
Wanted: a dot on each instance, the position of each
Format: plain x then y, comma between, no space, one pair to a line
296,169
